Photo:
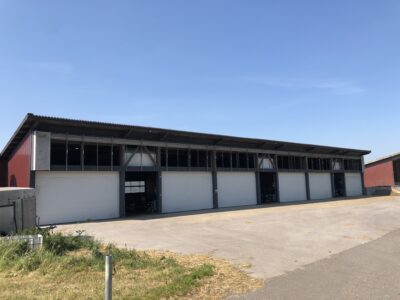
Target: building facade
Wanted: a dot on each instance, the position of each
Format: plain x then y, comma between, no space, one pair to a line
384,172
84,170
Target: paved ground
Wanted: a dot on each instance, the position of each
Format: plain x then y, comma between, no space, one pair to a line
271,240
369,271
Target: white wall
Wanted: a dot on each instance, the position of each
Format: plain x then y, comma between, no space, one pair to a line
320,186
353,184
76,196
141,159
265,163
183,191
236,189
292,186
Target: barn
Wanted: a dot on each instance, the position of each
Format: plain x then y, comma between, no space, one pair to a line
383,172
84,170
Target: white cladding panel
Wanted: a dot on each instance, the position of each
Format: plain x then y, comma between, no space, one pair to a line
183,191
141,159
236,189
320,186
292,186
265,163
76,196
353,184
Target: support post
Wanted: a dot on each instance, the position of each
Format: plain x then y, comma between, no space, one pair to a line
214,180
332,179
122,183
108,278
364,190
278,196
307,180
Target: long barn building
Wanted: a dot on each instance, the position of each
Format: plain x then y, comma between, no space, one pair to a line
85,170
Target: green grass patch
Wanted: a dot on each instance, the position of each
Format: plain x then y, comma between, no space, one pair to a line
72,266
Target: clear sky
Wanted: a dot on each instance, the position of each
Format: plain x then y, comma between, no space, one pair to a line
321,72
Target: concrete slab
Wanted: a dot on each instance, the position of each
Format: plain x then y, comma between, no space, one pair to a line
272,240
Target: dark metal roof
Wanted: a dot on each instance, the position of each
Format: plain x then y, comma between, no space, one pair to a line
90,128
383,160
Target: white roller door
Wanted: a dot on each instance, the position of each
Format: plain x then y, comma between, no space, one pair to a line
236,189
353,184
183,191
320,186
76,196
292,187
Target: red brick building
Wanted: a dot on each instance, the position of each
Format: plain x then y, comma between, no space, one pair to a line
383,172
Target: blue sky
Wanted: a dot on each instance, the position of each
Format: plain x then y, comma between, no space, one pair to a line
321,72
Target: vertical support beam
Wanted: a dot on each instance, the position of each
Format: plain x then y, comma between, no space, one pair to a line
278,197
122,182
159,181
214,179
364,191
307,179
258,187
332,178
345,183
66,154
82,156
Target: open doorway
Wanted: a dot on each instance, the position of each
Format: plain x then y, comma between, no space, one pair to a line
140,193
268,187
339,184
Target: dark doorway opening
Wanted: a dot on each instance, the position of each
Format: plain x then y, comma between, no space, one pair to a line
268,187
140,193
396,170
339,184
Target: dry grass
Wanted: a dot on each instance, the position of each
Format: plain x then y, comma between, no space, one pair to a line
78,274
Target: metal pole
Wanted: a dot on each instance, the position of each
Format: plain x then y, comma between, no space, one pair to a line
108,278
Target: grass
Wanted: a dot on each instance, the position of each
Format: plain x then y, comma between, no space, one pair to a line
72,267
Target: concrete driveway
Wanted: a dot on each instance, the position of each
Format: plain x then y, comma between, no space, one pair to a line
271,240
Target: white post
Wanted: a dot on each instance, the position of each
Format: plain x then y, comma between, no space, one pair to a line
108,278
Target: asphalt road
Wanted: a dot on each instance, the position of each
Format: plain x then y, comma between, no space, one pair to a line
368,271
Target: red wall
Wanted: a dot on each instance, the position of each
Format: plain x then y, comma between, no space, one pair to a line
379,175
19,165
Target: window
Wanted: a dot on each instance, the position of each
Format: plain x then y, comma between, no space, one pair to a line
90,155
104,155
172,157
220,159
74,155
116,156
135,187
204,158
318,163
243,160
58,154
291,162
352,165
183,158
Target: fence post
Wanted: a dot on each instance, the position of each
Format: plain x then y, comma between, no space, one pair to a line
108,278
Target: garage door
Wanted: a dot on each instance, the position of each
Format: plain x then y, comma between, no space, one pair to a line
183,191
292,187
320,186
353,184
76,196
236,189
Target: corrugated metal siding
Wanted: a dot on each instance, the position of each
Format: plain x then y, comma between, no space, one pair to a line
379,175
19,165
